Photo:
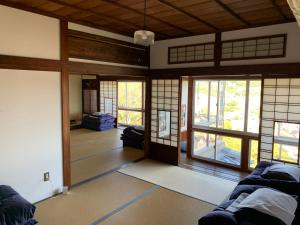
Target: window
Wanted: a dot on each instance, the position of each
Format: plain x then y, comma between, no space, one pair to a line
108,105
222,104
164,124
191,53
286,142
226,113
217,147
253,48
130,102
253,156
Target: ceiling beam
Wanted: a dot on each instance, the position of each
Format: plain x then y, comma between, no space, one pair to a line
279,10
189,14
233,13
107,18
118,4
53,15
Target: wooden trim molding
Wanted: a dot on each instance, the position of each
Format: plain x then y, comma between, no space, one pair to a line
93,68
65,103
266,69
27,63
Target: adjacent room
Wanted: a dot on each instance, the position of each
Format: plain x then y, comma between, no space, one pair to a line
150,112
106,124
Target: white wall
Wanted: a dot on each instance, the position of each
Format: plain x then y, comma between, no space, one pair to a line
75,93
30,132
28,34
159,51
30,106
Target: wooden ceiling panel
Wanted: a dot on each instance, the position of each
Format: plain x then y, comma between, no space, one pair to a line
167,18
32,3
66,11
88,4
50,6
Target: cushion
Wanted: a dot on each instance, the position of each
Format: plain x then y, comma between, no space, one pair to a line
282,172
14,209
273,203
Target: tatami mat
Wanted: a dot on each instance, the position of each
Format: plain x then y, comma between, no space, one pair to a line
102,162
198,185
86,142
89,202
161,207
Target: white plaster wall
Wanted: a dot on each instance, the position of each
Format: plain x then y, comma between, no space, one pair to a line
293,42
159,51
30,132
75,93
27,34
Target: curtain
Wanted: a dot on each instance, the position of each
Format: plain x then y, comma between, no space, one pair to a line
295,7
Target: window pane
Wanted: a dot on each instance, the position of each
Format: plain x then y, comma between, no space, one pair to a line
164,123
232,95
122,117
129,117
213,104
122,94
201,103
285,153
134,95
204,145
228,150
253,153
254,106
134,118
286,141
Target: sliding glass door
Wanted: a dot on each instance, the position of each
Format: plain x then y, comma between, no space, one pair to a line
226,121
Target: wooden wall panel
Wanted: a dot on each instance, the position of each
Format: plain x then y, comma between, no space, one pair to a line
164,153
93,47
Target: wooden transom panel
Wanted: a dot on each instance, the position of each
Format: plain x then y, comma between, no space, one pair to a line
167,18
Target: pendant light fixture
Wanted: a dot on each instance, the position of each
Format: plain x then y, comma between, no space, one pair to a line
295,7
144,37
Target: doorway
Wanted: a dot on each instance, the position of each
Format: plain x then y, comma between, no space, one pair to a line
99,143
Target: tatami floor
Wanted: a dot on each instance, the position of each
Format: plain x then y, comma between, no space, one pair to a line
94,153
120,199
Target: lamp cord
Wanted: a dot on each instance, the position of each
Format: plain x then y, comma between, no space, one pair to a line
145,14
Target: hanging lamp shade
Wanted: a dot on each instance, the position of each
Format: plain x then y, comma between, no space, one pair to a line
295,7
144,37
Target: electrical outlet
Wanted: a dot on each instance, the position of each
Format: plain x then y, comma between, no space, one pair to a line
46,176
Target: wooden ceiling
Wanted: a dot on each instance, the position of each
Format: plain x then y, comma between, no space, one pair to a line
167,18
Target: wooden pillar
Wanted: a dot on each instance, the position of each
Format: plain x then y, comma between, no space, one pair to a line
65,102
148,116
190,118
218,49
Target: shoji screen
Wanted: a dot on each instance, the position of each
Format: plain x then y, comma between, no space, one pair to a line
281,104
165,99
108,93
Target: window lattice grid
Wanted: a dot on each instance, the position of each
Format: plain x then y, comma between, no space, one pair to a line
281,103
191,53
165,97
253,48
108,89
